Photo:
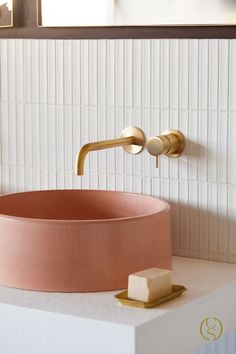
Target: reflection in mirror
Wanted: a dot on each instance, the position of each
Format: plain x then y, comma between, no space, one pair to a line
136,12
6,15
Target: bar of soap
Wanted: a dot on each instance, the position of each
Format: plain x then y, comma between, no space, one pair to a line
150,284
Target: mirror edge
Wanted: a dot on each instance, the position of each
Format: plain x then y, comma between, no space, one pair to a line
39,13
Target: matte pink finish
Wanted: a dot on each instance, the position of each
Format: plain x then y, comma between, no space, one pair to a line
80,240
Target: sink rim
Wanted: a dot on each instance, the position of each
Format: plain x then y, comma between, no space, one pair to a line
165,208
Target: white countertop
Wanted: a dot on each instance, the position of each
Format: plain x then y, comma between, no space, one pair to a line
207,282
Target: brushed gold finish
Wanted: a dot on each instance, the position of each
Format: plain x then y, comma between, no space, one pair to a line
171,143
177,141
132,140
123,299
140,140
158,145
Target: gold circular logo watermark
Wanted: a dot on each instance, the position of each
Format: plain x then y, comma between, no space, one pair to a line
211,328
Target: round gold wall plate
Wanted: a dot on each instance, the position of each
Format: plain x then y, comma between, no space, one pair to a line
181,139
140,140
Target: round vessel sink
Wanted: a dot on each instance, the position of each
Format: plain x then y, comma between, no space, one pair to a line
80,240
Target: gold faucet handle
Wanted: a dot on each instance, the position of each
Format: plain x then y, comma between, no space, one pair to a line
171,143
158,145
177,142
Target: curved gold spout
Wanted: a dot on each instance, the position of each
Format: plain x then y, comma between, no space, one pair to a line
132,144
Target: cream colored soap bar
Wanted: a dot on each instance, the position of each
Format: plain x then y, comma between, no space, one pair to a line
150,284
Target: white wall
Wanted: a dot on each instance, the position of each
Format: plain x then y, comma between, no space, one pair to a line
57,95
225,345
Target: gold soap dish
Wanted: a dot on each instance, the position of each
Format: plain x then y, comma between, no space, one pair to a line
123,299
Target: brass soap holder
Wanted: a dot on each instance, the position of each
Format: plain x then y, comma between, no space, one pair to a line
123,299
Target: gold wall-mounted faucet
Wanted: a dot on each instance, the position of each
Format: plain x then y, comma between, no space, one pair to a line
132,140
171,143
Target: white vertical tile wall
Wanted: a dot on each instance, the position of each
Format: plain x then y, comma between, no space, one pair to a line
57,95
225,345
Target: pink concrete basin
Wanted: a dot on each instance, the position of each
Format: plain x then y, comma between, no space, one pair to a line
80,240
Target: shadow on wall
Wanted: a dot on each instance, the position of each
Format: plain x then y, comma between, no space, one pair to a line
200,233
194,150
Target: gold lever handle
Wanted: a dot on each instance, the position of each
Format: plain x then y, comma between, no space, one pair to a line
171,143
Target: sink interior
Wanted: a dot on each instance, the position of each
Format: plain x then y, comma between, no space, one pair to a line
78,205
